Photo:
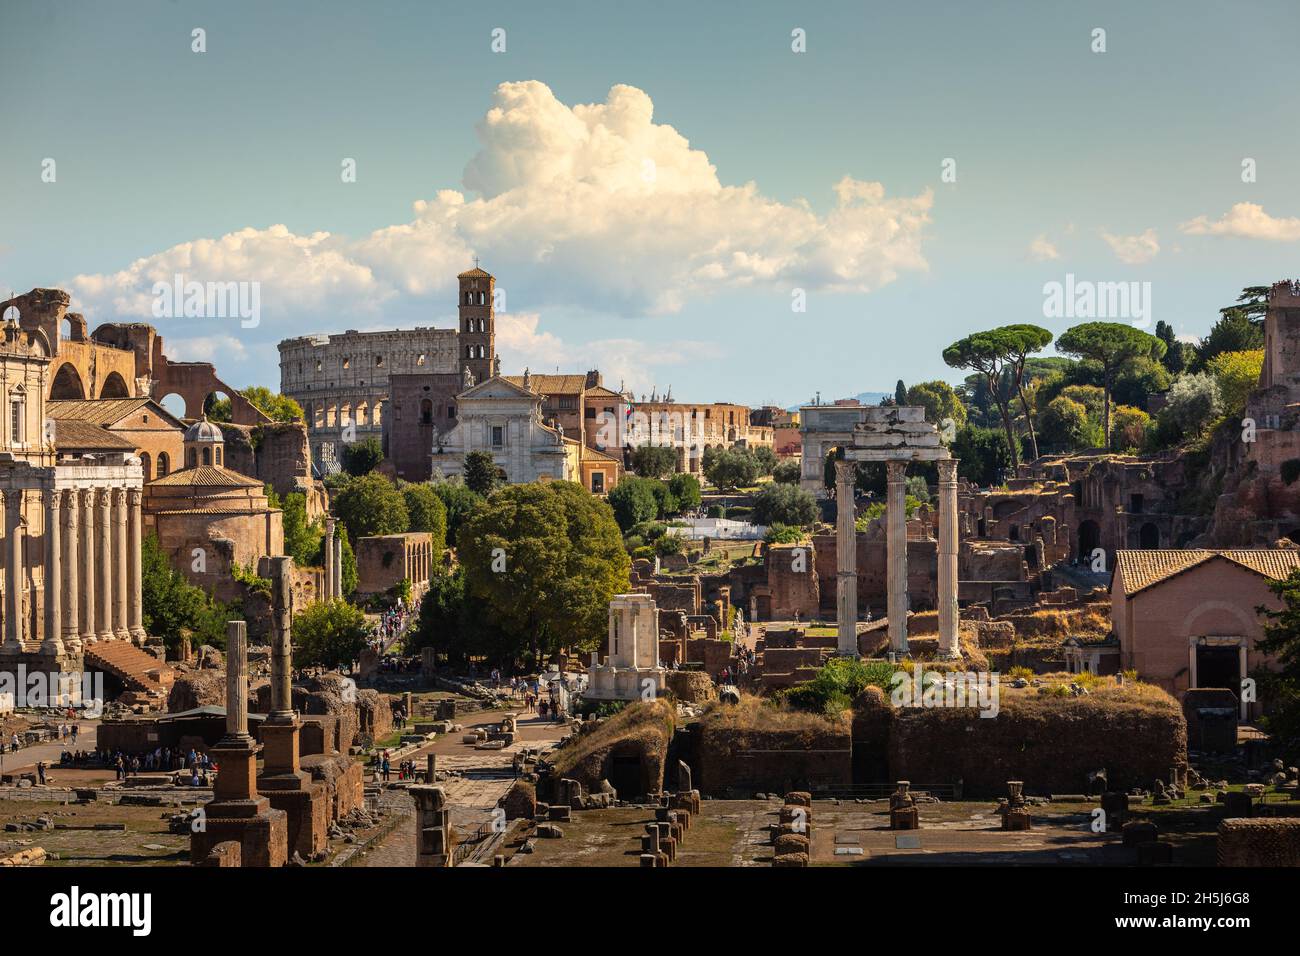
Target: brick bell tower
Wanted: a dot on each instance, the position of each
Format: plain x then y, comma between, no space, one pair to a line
477,339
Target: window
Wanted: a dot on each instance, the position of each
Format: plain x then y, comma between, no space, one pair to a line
347,361
144,465
207,456
17,433
379,361
164,463
482,298
497,437
597,482
426,412
420,360
451,411
318,365
568,403
193,458
217,452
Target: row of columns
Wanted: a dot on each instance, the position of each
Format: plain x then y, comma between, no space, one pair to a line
92,569
896,557
419,562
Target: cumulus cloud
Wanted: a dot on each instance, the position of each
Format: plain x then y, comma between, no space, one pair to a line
1133,250
1245,220
591,205
635,363
1042,249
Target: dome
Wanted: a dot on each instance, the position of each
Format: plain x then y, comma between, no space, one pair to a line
203,431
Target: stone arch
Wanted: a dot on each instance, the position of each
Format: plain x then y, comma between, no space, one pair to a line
67,383
363,413
174,403
164,464
216,412
1149,537
114,387
145,464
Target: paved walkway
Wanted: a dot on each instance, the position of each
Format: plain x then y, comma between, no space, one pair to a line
25,760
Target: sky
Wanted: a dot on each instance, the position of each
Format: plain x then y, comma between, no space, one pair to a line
669,192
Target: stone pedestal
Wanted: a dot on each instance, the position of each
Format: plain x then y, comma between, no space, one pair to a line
433,826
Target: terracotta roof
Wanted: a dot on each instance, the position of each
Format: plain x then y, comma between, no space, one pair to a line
102,411
596,454
1142,569
205,476
600,391
475,273
72,435
551,384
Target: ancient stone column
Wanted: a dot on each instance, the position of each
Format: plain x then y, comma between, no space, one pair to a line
134,568
329,559
236,683
89,577
104,564
896,528
846,554
71,561
121,561
338,566
14,571
52,644
281,648
947,596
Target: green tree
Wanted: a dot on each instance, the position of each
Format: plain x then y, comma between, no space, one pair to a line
987,353
1193,404
1237,375
1064,424
729,467
654,461
427,513
459,503
371,505
633,501
765,457
278,408
328,634
543,561
784,504
302,539
1112,345
940,402
983,455
1022,341
362,457
172,606
482,475
787,472
1252,303
1175,358
900,393
686,489
665,501
1234,332
1129,428
216,409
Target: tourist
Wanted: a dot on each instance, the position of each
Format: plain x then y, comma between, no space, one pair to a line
387,765
40,772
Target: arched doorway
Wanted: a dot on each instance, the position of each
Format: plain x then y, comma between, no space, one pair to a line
114,387
1149,537
1089,539
67,384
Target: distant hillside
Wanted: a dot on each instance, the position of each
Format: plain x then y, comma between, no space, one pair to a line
864,398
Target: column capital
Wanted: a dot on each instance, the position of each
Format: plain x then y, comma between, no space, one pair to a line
896,471
134,496
948,470
51,498
87,496
69,496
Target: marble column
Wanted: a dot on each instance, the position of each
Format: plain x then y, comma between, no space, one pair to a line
338,566
52,644
947,596
120,562
71,573
896,529
846,555
13,642
134,567
104,564
236,682
329,559
89,579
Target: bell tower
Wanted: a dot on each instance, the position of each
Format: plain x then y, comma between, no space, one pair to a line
477,338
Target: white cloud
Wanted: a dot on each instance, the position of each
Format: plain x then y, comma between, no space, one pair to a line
1133,250
593,205
638,364
1042,249
1245,220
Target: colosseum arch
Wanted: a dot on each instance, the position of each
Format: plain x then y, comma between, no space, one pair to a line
114,387
67,383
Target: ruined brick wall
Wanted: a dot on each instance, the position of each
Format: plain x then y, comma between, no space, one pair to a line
681,595
1050,744
713,654
793,581
276,454
775,759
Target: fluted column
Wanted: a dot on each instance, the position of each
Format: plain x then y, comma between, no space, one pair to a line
104,564
14,571
121,560
71,562
134,567
89,579
846,563
896,528
52,644
947,597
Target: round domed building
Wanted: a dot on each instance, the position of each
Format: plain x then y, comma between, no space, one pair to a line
208,518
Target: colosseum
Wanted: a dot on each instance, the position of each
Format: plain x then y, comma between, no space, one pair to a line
342,381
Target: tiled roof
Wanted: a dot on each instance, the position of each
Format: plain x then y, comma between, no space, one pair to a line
596,454
551,384
205,476
1142,569
104,411
475,273
72,435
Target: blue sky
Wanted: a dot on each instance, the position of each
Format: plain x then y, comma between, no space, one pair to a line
682,274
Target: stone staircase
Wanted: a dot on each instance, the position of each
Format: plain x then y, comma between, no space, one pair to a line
138,670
